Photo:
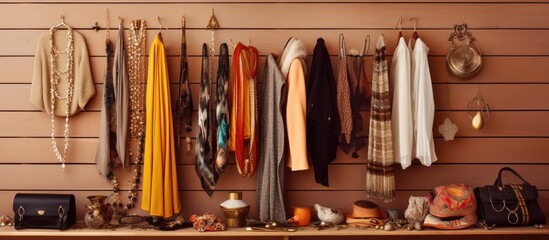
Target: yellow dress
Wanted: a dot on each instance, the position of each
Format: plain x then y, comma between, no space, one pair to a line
160,190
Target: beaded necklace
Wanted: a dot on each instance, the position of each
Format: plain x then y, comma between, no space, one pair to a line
55,78
136,55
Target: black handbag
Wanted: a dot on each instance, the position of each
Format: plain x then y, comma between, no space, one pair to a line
49,211
510,204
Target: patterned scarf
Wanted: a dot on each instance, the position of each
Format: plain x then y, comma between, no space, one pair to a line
204,153
221,123
380,181
121,98
184,107
106,150
244,132
343,94
357,81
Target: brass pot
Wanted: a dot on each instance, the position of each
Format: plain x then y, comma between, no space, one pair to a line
100,213
235,217
235,210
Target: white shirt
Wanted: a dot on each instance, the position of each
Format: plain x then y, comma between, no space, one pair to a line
402,127
423,105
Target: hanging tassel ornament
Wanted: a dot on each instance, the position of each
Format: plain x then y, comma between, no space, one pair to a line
448,129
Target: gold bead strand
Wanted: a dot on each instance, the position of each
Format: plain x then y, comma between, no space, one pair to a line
55,78
136,55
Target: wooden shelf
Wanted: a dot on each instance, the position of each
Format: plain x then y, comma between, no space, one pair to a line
241,232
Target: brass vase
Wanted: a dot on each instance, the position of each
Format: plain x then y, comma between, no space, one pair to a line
100,213
235,210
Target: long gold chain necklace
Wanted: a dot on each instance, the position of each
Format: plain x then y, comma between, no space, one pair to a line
136,55
55,78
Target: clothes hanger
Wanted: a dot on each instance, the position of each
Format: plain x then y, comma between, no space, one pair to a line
415,36
62,23
161,26
399,24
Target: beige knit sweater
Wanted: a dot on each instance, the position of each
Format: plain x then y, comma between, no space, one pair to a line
84,88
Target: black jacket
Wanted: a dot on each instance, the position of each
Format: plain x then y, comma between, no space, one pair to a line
322,116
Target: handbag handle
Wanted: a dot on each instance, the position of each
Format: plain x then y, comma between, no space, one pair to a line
499,182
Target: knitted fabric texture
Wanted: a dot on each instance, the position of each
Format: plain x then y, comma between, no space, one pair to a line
84,88
270,169
380,182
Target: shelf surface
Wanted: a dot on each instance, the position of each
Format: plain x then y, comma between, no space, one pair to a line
241,232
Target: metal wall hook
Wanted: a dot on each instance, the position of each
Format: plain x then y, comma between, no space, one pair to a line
213,24
460,32
96,27
160,23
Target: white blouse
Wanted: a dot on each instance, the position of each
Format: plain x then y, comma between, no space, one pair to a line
401,118
423,105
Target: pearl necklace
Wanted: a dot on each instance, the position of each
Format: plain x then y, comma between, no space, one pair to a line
136,55
55,78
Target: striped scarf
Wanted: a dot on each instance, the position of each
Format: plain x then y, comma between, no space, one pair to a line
380,181
244,132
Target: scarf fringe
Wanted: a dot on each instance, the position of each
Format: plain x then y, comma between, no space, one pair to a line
380,186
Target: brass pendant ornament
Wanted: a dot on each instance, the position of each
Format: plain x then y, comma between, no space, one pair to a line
463,60
478,104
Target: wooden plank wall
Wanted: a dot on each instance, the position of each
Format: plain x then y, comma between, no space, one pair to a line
513,35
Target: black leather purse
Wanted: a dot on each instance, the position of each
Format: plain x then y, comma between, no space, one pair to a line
49,211
509,205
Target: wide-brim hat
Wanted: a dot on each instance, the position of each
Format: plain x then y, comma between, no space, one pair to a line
366,213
